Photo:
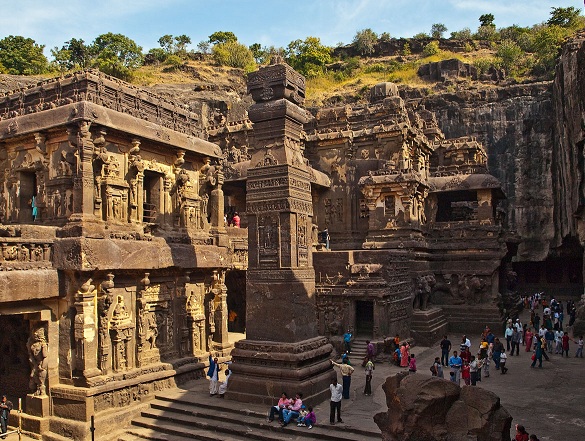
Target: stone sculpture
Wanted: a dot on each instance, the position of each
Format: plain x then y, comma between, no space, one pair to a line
38,351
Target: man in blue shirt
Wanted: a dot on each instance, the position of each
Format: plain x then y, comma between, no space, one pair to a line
455,363
347,341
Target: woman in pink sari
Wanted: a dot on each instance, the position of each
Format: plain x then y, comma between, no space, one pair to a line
404,354
529,336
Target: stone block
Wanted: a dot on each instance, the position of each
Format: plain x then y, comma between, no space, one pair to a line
37,406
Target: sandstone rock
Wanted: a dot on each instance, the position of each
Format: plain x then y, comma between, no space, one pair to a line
432,409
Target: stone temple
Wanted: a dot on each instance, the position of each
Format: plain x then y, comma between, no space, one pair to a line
119,268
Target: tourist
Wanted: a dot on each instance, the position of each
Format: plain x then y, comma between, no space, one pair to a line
213,374
445,350
465,355
543,346
291,411
515,342
345,358
464,342
347,341
404,355
542,330
566,340
536,321
236,220
549,337
508,335
336,391
537,355
466,373
412,365
309,419
528,339
5,408
579,342
498,348
503,359
370,350
223,386
437,368
474,369
346,371
396,356
521,433
369,370
282,403
559,341
455,364
490,338
396,342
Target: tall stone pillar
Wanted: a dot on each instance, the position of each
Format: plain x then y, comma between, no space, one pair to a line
83,180
282,350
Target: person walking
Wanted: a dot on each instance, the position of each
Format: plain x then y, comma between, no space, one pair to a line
474,370
369,370
347,341
559,341
437,368
370,350
346,372
503,360
445,350
537,356
404,354
336,390
515,342
528,339
223,386
498,348
565,340
579,342
508,335
412,365
5,408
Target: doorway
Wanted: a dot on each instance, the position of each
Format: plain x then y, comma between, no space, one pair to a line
27,197
152,197
14,364
364,318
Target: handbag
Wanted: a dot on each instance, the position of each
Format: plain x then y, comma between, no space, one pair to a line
533,357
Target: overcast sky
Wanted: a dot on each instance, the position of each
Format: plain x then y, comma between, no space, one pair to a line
273,22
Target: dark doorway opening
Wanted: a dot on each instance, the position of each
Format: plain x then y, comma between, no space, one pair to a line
151,197
28,196
457,206
235,281
364,318
14,364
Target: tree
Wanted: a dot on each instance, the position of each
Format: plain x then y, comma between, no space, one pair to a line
181,42
431,49
365,41
308,56
222,37
233,54
421,36
166,43
257,52
116,54
385,37
564,17
74,54
487,20
437,30
22,56
463,34
510,54
203,46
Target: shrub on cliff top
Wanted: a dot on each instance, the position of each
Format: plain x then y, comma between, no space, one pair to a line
365,41
234,54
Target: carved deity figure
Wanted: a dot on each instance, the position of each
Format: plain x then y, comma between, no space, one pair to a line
423,291
38,351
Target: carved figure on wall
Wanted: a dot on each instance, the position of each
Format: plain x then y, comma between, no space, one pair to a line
104,304
38,351
424,286
151,329
64,168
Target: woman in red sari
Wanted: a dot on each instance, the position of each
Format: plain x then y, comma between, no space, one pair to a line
404,354
529,336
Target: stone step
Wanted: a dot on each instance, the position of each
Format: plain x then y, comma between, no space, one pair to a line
183,420
157,430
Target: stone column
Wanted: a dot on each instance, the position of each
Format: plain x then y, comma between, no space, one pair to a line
220,338
86,331
282,349
83,178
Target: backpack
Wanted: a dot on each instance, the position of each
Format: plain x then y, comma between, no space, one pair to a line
433,369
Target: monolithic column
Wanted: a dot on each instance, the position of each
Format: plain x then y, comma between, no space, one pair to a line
282,349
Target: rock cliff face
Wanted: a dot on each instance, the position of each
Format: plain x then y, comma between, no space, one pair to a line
568,165
515,123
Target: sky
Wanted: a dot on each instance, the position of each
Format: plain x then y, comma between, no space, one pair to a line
273,22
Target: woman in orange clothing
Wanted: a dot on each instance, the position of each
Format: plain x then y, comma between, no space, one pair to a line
404,354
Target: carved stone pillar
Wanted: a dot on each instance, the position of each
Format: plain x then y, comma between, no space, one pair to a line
83,178
85,331
282,349
220,337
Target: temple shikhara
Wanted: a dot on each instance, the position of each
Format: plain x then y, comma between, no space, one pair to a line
119,266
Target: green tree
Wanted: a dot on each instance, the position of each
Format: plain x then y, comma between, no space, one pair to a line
385,37
233,54
117,55
181,42
437,30
421,36
365,41
22,56
431,49
166,43
406,49
510,55
222,37
74,54
463,34
308,56
487,20
257,52
564,17
486,33
203,46
546,45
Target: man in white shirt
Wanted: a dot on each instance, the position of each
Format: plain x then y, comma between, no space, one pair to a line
336,391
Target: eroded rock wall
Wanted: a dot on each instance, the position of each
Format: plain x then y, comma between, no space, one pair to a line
515,123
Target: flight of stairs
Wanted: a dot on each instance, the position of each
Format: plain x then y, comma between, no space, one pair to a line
192,415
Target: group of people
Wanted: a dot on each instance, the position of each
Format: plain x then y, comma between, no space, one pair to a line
289,409
215,387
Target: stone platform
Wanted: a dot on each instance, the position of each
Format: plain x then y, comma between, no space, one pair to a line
428,326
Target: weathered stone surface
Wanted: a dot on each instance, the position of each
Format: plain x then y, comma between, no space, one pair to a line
432,409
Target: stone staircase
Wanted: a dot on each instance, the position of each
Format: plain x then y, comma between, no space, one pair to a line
193,415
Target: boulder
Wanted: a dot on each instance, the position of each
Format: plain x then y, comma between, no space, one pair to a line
433,409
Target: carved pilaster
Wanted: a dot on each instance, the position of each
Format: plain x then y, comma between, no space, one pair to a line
85,331
83,178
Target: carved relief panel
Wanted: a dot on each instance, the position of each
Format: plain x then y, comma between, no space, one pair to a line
268,240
